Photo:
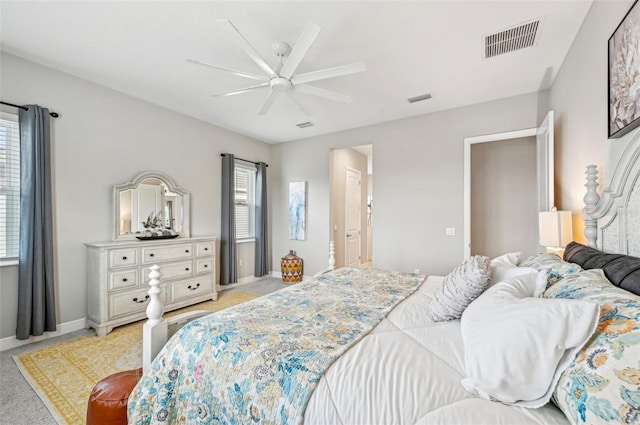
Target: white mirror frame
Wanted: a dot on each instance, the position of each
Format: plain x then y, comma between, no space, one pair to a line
171,185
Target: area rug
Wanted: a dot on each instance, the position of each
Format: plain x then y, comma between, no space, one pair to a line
64,374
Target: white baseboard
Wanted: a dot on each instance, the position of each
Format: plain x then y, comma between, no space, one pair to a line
242,281
63,328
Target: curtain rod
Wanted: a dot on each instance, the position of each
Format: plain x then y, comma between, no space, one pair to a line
53,114
245,160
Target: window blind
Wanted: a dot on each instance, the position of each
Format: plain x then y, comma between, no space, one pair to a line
9,186
245,200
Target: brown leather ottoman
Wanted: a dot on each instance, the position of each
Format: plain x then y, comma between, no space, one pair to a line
108,399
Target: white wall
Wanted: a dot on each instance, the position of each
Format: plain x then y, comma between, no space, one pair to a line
579,98
418,189
102,138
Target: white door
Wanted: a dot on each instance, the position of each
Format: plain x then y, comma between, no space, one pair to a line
352,221
544,149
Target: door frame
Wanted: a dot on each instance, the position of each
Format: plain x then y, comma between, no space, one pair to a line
468,141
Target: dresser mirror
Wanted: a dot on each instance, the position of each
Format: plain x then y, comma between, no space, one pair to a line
151,200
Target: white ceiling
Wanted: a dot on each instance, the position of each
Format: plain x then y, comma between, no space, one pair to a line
410,48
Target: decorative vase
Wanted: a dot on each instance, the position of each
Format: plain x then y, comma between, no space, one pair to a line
291,266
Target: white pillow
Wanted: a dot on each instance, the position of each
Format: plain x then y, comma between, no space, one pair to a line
510,259
459,288
516,346
500,273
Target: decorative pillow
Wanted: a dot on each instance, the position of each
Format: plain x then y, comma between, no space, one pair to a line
511,259
517,346
602,385
459,288
500,273
559,267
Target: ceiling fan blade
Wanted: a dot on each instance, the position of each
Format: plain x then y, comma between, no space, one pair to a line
308,36
239,91
328,94
232,71
268,102
248,48
323,74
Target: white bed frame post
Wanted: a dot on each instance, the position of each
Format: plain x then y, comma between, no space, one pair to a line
591,199
154,332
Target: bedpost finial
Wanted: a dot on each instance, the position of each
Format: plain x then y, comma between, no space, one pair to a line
155,309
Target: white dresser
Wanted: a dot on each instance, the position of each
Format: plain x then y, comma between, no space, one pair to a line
118,277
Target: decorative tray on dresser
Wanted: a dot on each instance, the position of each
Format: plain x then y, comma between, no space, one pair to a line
118,277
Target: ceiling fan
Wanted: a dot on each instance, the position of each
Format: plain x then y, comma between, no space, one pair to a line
282,79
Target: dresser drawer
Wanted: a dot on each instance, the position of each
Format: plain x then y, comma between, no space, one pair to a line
123,303
204,248
126,257
192,287
204,265
151,255
182,269
123,279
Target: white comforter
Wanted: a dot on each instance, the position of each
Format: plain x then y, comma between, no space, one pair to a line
408,371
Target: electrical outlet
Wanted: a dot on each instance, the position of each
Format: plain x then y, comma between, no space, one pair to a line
451,231
240,262
416,271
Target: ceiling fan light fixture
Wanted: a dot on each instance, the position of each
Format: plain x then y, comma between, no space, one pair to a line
280,84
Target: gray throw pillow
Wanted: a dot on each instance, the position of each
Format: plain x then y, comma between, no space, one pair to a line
463,285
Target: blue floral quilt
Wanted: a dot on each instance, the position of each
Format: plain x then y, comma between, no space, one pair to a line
259,362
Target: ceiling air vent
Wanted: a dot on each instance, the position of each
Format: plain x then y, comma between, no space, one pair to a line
419,98
511,39
304,124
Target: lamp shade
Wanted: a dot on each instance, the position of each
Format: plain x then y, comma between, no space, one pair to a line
555,228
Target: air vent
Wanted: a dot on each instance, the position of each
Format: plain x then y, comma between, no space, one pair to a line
512,39
304,124
419,98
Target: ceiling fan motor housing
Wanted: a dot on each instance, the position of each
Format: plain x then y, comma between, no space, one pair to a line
280,84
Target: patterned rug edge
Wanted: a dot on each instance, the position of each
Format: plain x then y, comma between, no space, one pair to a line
47,399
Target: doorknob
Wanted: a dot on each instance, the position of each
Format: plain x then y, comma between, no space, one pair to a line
349,235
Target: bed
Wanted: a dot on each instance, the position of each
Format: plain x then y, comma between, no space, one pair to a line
359,346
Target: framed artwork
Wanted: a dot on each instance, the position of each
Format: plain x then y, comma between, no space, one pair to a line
624,75
297,210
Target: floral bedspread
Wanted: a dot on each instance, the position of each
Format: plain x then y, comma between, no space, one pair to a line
259,362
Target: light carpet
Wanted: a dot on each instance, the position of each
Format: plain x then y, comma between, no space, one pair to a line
64,374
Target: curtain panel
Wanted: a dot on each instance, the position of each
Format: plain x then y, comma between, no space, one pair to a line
228,269
261,244
36,278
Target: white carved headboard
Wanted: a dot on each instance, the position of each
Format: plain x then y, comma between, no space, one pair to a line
612,221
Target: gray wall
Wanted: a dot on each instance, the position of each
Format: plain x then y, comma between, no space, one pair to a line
579,98
104,137
504,204
418,183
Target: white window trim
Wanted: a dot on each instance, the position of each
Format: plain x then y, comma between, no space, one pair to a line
9,261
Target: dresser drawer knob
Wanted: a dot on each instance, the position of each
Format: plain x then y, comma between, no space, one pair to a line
206,249
206,266
124,258
186,250
186,268
140,301
194,288
124,279
151,255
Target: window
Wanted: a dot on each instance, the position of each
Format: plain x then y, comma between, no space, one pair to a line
9,186
245,202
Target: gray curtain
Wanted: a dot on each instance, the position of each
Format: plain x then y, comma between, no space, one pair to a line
36,293
228,270
262,267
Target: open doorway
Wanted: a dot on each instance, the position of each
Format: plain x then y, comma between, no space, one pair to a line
351,203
